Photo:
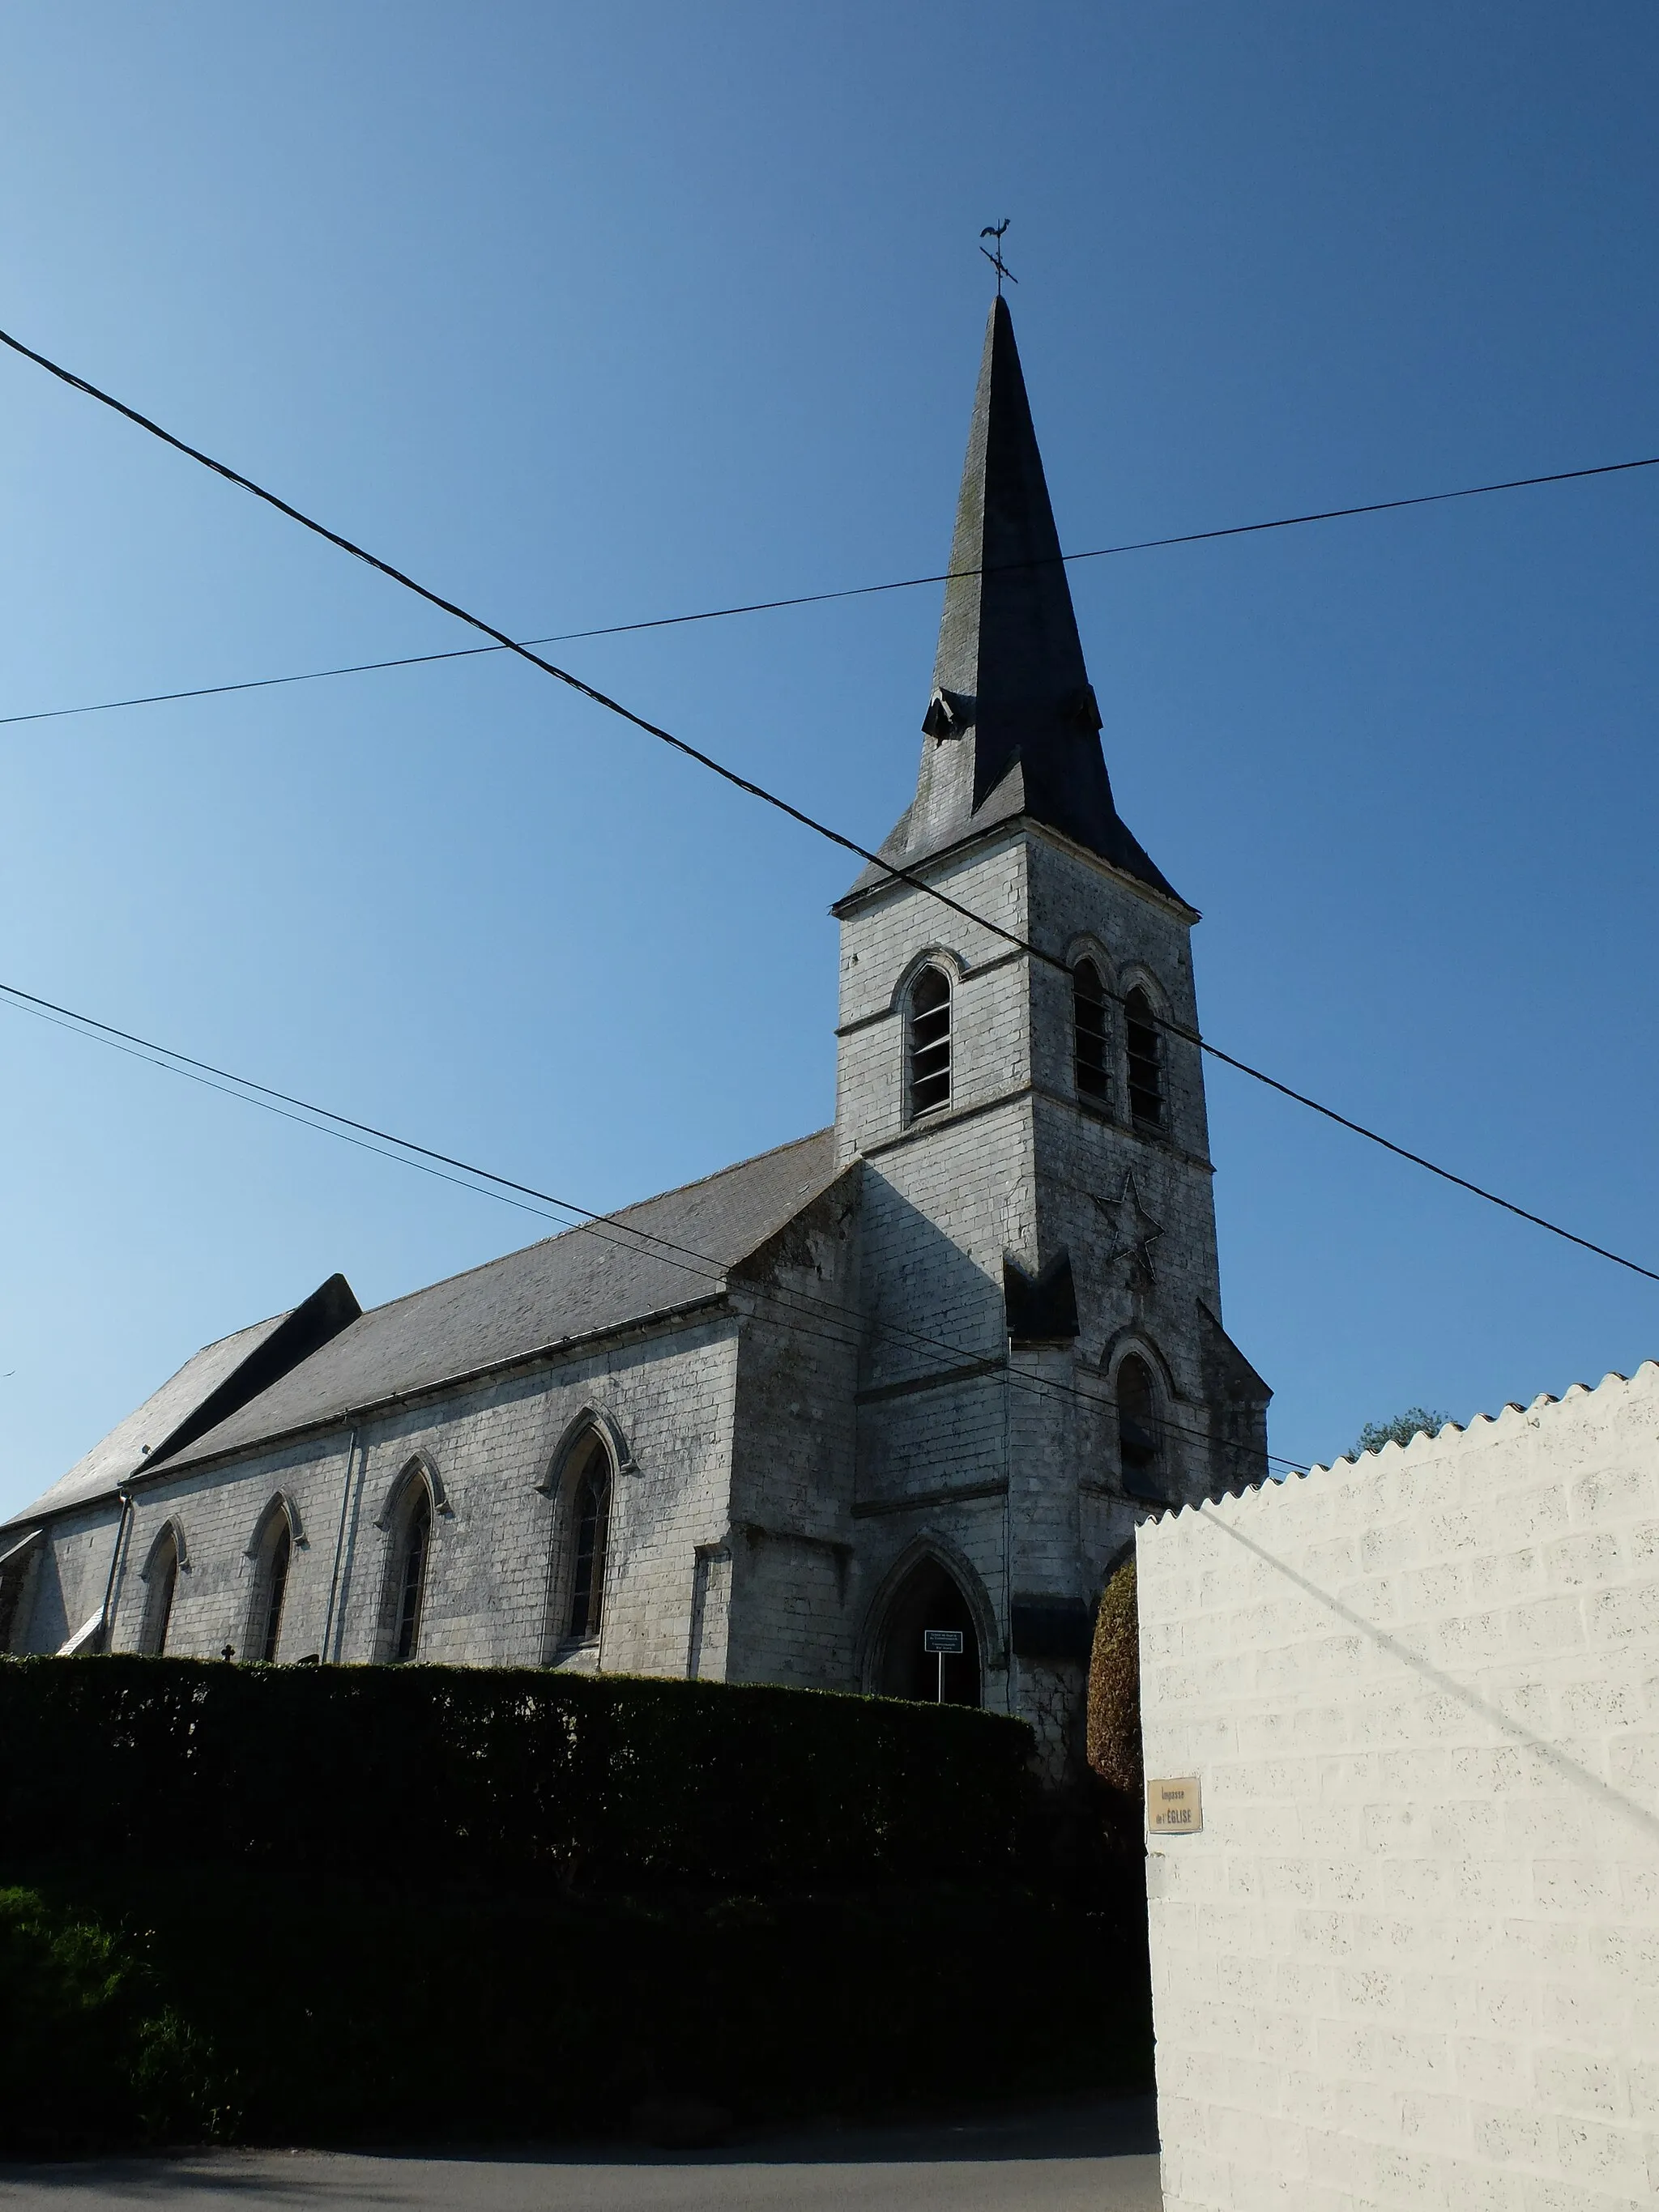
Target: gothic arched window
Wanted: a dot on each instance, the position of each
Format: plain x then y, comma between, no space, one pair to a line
1145,1067
276,1555
929,1040
409,1584
1088,1033
1139,1441
589,1526
160,1582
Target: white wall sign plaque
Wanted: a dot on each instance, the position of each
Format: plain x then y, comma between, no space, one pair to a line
1174,1808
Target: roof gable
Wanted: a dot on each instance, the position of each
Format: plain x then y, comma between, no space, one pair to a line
206,1391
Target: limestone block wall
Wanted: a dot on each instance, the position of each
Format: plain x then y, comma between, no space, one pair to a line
1012,1476
882,941
1078,907
66,1581
670,1395
1412,1958
793,1606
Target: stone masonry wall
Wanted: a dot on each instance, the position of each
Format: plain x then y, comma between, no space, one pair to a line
1412,1958
1011,1475
670,1395
66,1581
940,1204
794,1606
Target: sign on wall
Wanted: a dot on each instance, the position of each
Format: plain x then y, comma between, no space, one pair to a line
1174,1808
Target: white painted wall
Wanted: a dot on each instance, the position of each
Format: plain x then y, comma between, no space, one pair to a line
1413,1957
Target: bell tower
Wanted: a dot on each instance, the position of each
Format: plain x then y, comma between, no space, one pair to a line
1045,1359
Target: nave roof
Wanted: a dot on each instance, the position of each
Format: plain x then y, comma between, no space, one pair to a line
584,1282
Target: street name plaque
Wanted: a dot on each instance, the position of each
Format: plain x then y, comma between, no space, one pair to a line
1174,1808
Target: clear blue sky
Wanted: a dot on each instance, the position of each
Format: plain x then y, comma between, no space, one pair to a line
589,314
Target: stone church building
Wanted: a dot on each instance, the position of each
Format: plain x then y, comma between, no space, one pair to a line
923,1369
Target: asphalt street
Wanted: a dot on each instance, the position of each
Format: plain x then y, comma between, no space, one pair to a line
1077,2158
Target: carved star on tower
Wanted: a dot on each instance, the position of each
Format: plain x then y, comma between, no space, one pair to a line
1134,1230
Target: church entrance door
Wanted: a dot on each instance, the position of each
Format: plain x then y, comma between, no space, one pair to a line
928,1597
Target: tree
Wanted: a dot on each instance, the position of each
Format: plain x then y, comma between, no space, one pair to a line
1398,1430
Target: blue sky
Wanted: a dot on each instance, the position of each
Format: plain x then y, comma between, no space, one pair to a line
588,314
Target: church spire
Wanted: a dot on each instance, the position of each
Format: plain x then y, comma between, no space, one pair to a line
1012,727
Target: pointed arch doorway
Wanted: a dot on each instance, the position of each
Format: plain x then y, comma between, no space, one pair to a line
928,1597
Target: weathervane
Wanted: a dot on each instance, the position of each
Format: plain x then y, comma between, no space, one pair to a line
994,253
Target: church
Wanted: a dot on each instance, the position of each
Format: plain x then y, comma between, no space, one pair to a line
921,1371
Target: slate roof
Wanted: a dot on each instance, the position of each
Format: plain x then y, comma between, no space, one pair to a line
222,1378
582,1283
1013,728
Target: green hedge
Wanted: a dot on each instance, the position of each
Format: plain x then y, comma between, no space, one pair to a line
218,2004
1114,1719
618,1781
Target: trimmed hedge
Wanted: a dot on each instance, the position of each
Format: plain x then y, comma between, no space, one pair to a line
1114,1722
210,2003
617,1782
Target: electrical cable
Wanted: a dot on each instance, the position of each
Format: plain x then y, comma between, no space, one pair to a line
820,598
489,1184
795,813
702,1264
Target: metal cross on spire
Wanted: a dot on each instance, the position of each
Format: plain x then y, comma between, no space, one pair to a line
994,253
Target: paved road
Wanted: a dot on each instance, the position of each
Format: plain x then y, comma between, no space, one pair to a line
1078,2158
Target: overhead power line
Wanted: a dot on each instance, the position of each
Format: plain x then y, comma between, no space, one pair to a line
894,873
800,1308
821,598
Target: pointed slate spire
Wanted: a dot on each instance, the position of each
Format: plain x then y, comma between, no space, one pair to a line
1012,727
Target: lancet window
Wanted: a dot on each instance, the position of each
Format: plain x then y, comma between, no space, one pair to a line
161,1583
277,1556
589,1526
409,1586
1139,1441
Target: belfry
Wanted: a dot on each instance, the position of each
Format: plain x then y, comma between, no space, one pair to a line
930,1367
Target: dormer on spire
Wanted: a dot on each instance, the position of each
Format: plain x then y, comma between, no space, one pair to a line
1012,728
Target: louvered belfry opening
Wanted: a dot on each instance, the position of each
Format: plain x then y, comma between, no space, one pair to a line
930,1042
1089,1027
1146,1070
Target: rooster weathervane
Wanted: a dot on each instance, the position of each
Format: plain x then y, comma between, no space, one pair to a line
993,253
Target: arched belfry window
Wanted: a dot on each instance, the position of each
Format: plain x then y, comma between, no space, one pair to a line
589,1525
1139,1438
275,1557
1146,1062
411,1561
160,1585
1088,1033
929,1040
